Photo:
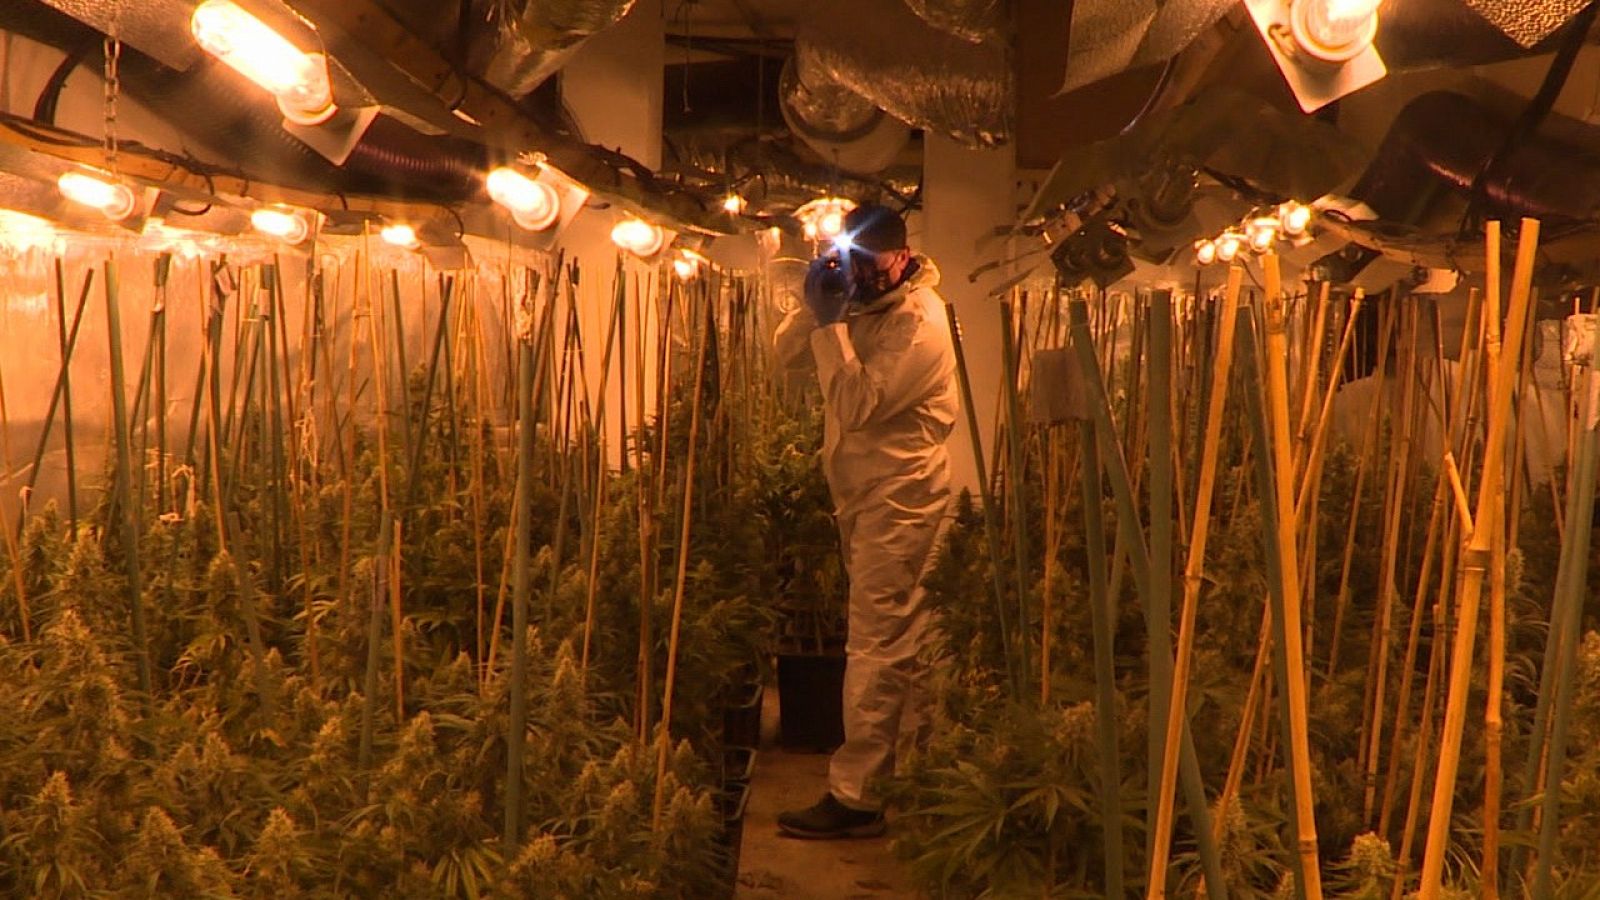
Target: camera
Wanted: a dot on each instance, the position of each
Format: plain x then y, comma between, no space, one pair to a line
832,275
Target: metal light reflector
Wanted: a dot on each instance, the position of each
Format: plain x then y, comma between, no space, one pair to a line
114,199
299,80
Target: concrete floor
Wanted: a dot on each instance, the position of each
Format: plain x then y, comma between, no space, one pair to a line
772,866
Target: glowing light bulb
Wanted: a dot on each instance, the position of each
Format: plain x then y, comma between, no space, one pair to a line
1294,218
733,204
1205,252
400,235
533,204
113,198
687,265
810,231
638,237
1228,245
299,80
283,224
1261,233
831,224
1334,30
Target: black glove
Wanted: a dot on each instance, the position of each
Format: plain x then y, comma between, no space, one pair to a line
827,289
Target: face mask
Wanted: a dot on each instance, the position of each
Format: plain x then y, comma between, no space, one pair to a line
871,282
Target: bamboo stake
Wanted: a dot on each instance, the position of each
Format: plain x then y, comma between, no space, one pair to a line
1424,740
397,632
1194,570
1449,420
686,515
1566,622
1105,676
522,587
1294,688
65,351
1241,743
1046,595
63,381
1368,450
13,539
1388,586
129,509
446,292
990,514
1128,529
1016,485
1402,708
1475,562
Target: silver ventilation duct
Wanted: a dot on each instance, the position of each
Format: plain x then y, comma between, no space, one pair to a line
537,37
843,127
975,21
919,74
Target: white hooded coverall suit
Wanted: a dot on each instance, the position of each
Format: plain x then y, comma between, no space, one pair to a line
889,401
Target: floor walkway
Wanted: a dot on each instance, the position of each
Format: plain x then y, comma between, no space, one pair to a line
771,866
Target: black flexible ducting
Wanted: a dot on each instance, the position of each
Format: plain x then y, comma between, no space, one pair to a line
1538,107
1443,140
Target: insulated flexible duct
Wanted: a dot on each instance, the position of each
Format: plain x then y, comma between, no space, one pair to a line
971,20
919,74
1445,138
843,127
534,38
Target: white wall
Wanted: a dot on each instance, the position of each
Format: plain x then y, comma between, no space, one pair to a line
967,194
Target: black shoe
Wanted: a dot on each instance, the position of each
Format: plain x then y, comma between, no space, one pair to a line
829,819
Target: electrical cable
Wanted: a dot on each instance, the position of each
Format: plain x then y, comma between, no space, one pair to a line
44,109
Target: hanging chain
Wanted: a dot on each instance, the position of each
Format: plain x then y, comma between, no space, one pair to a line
113,81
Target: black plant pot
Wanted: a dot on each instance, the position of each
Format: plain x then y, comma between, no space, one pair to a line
732,802
811,701
741,718
738,766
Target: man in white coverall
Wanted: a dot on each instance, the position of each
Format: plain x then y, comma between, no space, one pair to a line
878,332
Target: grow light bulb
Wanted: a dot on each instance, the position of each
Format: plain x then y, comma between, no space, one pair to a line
534,204
299,80
113,198
280,223
638,237
1228,245
1261,233
1334,30
400,235
1205,252
1294,218
831,224
733,204
687,264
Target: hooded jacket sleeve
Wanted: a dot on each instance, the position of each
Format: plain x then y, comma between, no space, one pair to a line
905,366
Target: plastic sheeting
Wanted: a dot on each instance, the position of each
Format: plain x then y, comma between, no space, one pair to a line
923,76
